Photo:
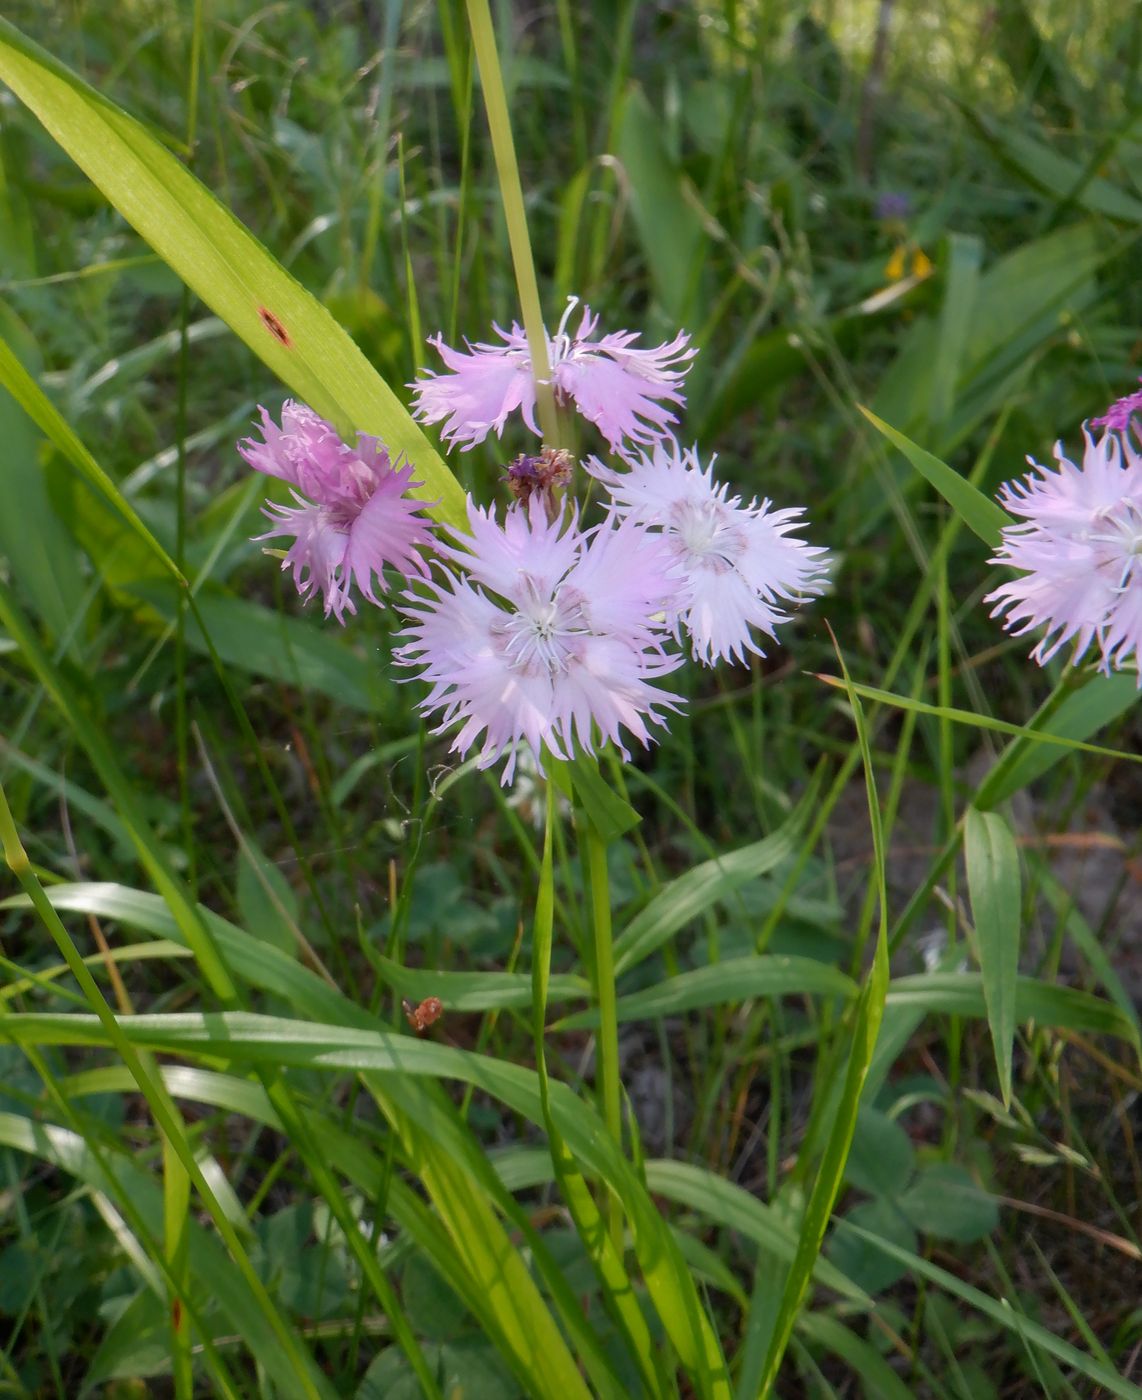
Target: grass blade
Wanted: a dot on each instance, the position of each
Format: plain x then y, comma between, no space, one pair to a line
993,883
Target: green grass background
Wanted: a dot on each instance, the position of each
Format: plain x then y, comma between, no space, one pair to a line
716,166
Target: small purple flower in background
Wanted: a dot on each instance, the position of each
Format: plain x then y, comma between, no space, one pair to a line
893,206
1079,545
553,638
622,390
352,516
739,562
1119,415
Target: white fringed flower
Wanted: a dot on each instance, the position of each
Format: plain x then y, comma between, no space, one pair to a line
741,563
553,637
1078,545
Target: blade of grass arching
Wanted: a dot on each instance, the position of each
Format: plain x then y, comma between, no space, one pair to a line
165,1114
1046,1003
601,1239
528,1336
40,409
877,1377
961,287
1000,1311
176,1212
994,887
731,1206
39,550
1098,701
218,257
865,1025
995,726
691,894
217,1282
196,931
359,1041
725,983
477,991
978,512
1062,902
267,1040
367,1168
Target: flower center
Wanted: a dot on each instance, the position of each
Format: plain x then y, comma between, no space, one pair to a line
705,535
542,634
1125,538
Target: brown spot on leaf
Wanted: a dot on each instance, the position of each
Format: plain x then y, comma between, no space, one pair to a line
275,327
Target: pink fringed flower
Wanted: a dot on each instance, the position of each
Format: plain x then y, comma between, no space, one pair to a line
1078,544
740,562
1120,413
624,391
352,516
553,638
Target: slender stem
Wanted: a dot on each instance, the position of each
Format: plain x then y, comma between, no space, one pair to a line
607,1043
515,216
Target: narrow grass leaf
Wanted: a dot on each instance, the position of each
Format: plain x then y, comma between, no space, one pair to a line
994,886
865,1025
978,512
1003,1313
40,409
996,726
216,1280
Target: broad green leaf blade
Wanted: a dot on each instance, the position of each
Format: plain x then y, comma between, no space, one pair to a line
607,812
292,650
730,982
978,512
1045,1003
1054,173
1100,700
993,882
727,1204
222,262
961,288
477,991
684,899
669,224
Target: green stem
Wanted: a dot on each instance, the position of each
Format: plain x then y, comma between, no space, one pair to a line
515,216
607,1042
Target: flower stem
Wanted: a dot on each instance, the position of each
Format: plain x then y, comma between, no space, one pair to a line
607,1043
515,216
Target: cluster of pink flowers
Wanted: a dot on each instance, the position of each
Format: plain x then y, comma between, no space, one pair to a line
535,630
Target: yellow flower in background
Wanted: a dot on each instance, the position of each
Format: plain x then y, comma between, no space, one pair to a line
897,265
